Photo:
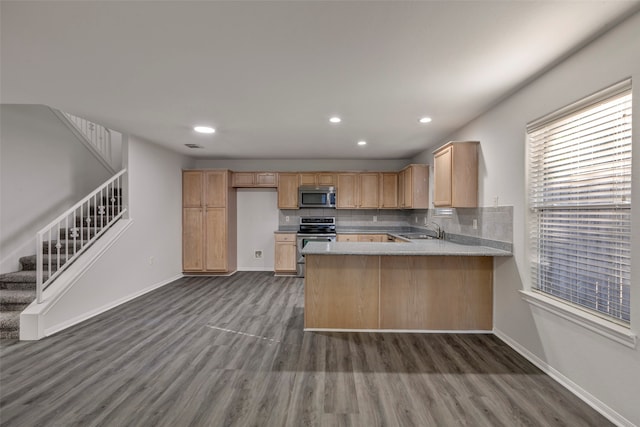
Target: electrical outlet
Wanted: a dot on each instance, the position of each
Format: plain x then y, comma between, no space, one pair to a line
257,254
425,220
286,218
152,260
475,224
375,218
416,219
495,202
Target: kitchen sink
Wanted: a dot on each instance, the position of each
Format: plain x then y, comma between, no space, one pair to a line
417,236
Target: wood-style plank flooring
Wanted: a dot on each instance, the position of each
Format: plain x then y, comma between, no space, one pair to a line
230,351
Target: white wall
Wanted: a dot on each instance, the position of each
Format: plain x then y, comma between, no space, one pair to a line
597,366
149,253
44,170
257,220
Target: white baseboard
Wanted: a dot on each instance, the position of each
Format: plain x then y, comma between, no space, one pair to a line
574,388
255,269
85,316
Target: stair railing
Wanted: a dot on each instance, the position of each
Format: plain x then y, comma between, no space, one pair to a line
70,234
98,135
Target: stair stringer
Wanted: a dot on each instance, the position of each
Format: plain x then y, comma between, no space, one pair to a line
83,139
33,322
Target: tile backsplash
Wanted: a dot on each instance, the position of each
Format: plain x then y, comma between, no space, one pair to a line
494,223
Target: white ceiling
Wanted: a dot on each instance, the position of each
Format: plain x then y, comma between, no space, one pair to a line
268,74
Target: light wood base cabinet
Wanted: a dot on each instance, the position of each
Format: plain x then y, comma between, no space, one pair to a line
430,293
341,292
361,238
285,253
436,293
208,222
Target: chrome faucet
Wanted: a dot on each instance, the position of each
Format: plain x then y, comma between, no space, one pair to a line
436,227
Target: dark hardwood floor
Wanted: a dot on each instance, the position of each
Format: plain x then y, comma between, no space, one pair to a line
230,351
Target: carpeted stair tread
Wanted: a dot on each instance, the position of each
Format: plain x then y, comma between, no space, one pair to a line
10,320
18,286
21,276
28,263
16,296
9,335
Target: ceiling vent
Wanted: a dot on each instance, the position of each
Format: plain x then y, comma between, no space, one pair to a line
194,146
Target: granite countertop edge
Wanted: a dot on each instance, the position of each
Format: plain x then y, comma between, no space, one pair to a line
428,248
455,244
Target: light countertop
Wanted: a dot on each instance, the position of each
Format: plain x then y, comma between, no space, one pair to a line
414,247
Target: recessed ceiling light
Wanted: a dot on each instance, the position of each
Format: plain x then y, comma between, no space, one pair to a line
425,120
335,119
204,129
362,142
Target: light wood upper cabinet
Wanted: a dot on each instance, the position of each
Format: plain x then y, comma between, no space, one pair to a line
192,189
285,253
389,190
208,222
288,191
318,178
456,175
347,191
369,190
254,179
266,179
413,187
216,183
358,190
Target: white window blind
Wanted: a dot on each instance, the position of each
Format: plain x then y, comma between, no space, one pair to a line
580,202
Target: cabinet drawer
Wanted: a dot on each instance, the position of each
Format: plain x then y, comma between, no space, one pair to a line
285,237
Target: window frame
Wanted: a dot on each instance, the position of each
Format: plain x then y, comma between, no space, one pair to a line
615,329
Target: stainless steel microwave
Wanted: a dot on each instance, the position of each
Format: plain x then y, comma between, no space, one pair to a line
316,197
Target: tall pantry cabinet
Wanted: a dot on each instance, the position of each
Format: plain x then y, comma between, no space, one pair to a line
209,239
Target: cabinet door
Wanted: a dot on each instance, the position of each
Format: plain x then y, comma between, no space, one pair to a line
408,188
285,257
308,179
266,179
347,195
192,239
192,189
328,179
401,202
442,178
216,239
288,191
216,189
243,179
389,190
369,190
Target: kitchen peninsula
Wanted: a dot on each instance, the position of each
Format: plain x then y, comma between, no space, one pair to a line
427,285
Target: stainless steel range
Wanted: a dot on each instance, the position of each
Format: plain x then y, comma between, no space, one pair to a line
314,229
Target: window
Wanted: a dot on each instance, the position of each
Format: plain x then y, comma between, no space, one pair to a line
580,203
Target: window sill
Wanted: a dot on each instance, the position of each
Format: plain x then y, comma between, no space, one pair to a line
594,323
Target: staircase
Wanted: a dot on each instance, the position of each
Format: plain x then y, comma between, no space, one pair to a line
19,289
